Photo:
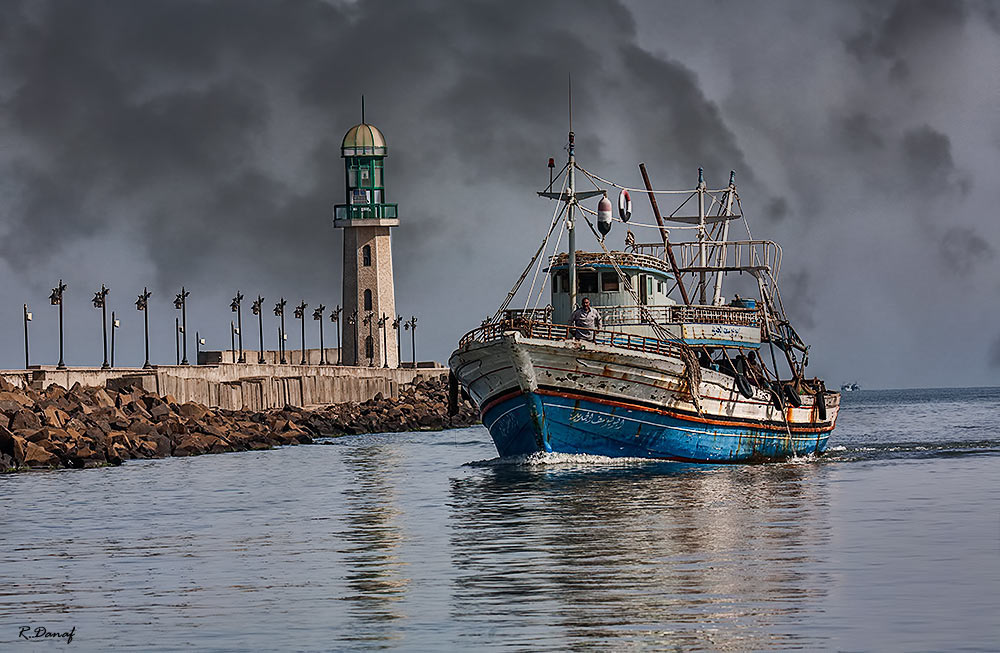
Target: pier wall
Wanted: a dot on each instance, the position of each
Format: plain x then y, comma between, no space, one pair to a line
248,386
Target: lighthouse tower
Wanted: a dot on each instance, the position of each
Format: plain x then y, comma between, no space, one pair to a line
366,218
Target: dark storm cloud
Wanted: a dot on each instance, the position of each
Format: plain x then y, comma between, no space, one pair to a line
962,250
798,296
161,115
928,161
908,25
859,132
203,137
776,209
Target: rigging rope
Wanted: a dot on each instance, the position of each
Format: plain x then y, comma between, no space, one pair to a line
641,190
517,284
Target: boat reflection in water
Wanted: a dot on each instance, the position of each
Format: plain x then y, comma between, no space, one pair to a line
699,557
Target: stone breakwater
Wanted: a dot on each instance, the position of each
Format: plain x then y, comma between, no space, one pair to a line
90,427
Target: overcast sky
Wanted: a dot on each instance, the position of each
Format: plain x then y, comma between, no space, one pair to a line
197,142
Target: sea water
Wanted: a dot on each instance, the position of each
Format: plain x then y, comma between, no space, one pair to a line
424,541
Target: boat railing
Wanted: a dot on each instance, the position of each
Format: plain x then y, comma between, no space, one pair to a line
681,314
729,256
549,331
622,259
543,314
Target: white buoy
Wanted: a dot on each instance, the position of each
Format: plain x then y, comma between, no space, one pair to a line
604,216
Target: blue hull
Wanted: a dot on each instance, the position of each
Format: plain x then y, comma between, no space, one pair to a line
534,422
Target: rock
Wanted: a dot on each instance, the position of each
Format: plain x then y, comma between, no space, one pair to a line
25,419
36,456
159,411
141,426
193,411
102,399
52,416
194,444
17,397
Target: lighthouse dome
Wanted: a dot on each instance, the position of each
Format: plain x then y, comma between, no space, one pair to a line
363,140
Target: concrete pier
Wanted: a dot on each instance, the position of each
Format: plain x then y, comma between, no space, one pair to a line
247,386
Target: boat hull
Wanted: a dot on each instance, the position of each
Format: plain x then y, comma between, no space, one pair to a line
584,399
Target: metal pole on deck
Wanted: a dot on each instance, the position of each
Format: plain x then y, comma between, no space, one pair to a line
702,261
664,235
717,295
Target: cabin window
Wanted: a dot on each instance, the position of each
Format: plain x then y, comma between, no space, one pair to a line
609,281
366,255
643,289
365,177
563,281
369,348
378,176
659,287
368,299
587,282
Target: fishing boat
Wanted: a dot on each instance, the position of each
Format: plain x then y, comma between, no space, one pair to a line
671,369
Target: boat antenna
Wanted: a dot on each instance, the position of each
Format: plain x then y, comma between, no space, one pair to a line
570,79
362,108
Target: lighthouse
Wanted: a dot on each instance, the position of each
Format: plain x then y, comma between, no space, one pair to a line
366,218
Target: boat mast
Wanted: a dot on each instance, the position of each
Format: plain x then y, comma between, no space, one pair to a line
571,200
702,260
717,295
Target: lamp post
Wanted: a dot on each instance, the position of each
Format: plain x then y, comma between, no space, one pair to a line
142,304
101,302
114,327
300,315
335,318
232,339
177,339
180,302
279,310
198,342
352,320
318,316
257,308
27,318
396,324
382,325
236,307
369,320
56,299
411,326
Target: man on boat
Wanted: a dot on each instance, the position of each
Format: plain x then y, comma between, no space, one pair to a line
584,320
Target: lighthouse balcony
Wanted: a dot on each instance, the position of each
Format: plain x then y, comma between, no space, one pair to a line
365,215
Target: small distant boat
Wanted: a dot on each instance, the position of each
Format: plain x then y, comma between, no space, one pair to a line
850,387
657,378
